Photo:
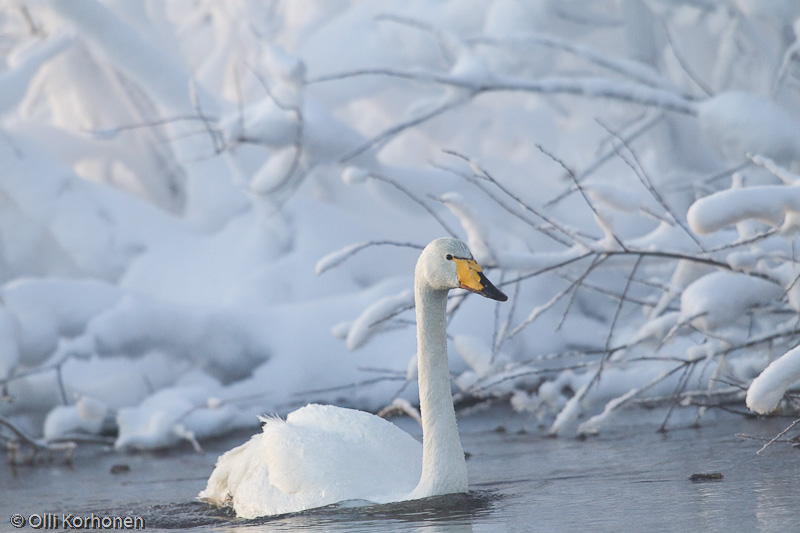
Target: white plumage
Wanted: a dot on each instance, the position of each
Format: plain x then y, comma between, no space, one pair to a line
323,454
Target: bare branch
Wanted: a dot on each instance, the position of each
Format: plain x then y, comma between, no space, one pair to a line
580,189
538,310
548,268
746,242
38,445
502,331
388,134
679,388
213,134
290,172
628,69
611,294
589,87
685,64
482,173
416,199
641,173
338,257
629,397
778,436
617,312
444,41
363,383
547,230
579,282
607,155
111,132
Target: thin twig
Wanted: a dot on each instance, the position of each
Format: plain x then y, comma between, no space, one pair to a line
388,134
68,447
613,295
496,325
590,87
298,140
641,173
549,268
631,395
415,199
502,335
212,133
606,156
106,132
30,441
617,311
486,175
580,189
685,64
326,264
443,40
348,386
745,242
538,310
579,282
679,388
778,436
547,231
693,258
60,381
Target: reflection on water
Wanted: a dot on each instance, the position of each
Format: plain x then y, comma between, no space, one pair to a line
453,512
628,479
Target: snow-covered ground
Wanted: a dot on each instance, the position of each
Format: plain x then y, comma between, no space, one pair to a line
211,210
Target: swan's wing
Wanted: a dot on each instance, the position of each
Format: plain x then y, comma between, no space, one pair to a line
320,455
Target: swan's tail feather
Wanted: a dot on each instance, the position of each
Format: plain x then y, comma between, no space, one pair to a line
266,419
218,490
230,469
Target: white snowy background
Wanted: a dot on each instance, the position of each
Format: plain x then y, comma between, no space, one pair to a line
212,209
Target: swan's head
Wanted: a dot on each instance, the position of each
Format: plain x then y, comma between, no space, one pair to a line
447,263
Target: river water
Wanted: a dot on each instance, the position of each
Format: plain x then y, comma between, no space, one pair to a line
629,478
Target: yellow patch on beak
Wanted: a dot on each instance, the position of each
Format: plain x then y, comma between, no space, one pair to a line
469,274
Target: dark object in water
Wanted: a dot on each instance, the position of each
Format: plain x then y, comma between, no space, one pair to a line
120,469
713,476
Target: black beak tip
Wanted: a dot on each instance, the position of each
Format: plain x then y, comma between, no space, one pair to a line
496,294
490,291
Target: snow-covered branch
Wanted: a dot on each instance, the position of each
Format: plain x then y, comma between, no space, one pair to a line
588,87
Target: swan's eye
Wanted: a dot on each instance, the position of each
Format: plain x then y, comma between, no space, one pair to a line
448,257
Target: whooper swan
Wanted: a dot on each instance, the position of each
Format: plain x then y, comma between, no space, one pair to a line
323,454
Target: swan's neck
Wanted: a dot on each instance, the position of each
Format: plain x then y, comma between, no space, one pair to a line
444,470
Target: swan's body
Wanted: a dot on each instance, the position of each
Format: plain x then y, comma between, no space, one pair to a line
324,454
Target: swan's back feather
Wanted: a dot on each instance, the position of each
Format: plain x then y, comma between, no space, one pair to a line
321,454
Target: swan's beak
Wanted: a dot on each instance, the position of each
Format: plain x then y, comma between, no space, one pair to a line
471,278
